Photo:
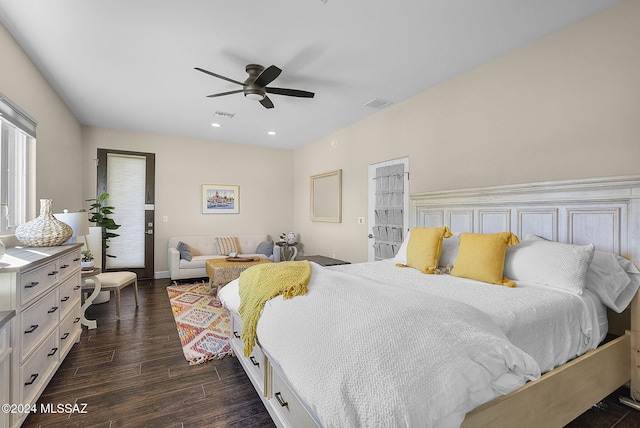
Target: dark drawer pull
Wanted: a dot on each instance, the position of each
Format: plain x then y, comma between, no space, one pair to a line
235,333
52,310
281,400
64,336
77,259
253,361
55,272
32,379
64,299
75,321
31,329
77,287
53,352
31,284
64,266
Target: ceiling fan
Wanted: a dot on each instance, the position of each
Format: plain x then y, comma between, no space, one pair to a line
255,87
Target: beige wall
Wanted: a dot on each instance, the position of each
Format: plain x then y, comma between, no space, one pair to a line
59,144
566,106
563,107
183,165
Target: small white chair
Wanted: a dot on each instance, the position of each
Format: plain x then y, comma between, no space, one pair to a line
116,281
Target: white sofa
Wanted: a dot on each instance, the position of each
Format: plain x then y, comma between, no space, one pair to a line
205,247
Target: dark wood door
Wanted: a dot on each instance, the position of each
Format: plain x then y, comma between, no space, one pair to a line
120,173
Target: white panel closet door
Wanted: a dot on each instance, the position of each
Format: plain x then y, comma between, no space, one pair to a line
388,207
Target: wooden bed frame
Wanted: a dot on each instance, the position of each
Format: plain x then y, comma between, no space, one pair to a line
605,212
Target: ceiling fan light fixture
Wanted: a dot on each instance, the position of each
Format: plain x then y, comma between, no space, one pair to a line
256,96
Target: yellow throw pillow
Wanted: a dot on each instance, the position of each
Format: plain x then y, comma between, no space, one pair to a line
424,247
481,257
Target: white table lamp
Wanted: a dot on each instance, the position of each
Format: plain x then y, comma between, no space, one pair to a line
79,222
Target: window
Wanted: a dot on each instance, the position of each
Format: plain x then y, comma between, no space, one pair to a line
17,135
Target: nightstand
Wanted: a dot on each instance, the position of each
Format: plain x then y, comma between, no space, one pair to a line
323,261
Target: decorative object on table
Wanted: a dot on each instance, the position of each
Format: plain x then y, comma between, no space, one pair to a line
220,199
87,262
241,259
283,237
203,323
288,250
291,238
45,230
100,216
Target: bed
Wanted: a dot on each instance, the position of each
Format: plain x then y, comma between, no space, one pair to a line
359,327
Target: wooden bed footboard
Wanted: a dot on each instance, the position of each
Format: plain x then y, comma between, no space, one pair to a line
561,395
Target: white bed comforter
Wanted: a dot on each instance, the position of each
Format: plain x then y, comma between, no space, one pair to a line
362,354
551,325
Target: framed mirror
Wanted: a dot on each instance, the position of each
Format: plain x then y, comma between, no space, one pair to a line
326,196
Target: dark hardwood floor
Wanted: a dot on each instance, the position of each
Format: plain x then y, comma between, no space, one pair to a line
132,373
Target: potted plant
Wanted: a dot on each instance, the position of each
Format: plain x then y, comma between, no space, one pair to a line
100,216
87,260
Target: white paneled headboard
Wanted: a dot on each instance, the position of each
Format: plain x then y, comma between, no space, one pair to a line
602,211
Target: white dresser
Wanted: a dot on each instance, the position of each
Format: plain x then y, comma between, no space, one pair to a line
43,286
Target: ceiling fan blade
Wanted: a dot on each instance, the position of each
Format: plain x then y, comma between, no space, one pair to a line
225,93
268,75
218,76
290,92
266,102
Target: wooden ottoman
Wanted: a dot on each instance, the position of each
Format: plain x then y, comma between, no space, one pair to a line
223,271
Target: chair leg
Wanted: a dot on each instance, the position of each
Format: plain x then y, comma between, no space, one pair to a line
117,290
135,286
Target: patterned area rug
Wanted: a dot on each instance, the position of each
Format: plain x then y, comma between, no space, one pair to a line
203,323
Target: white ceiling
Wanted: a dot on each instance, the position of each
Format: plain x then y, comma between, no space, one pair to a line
129,64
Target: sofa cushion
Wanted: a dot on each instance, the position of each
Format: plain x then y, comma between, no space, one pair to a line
265,248
228,245
185,251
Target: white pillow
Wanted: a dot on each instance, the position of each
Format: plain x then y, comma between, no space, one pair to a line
614,279
401,255
555,264
449,250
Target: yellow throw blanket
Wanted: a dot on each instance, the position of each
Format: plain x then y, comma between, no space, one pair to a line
264,282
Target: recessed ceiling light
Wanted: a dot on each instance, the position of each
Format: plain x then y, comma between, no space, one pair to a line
216,125
271,132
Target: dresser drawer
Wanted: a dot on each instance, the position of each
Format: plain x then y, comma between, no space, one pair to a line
37,320
69,264
69,294
35,372
69,329
256,363
38,281
286,404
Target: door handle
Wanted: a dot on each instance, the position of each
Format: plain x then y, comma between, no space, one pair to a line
150,232
370,235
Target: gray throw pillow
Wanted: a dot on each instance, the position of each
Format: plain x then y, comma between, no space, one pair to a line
185,251
265,248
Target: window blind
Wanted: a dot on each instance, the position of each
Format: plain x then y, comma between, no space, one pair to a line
10,112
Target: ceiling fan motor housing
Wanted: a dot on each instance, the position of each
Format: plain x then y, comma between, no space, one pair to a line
251,90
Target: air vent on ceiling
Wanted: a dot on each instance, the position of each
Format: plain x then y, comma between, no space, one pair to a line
224,114
378,103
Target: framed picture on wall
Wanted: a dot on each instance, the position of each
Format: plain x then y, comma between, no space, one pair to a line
220,199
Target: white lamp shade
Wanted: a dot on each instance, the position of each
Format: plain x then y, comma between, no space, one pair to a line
79,222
